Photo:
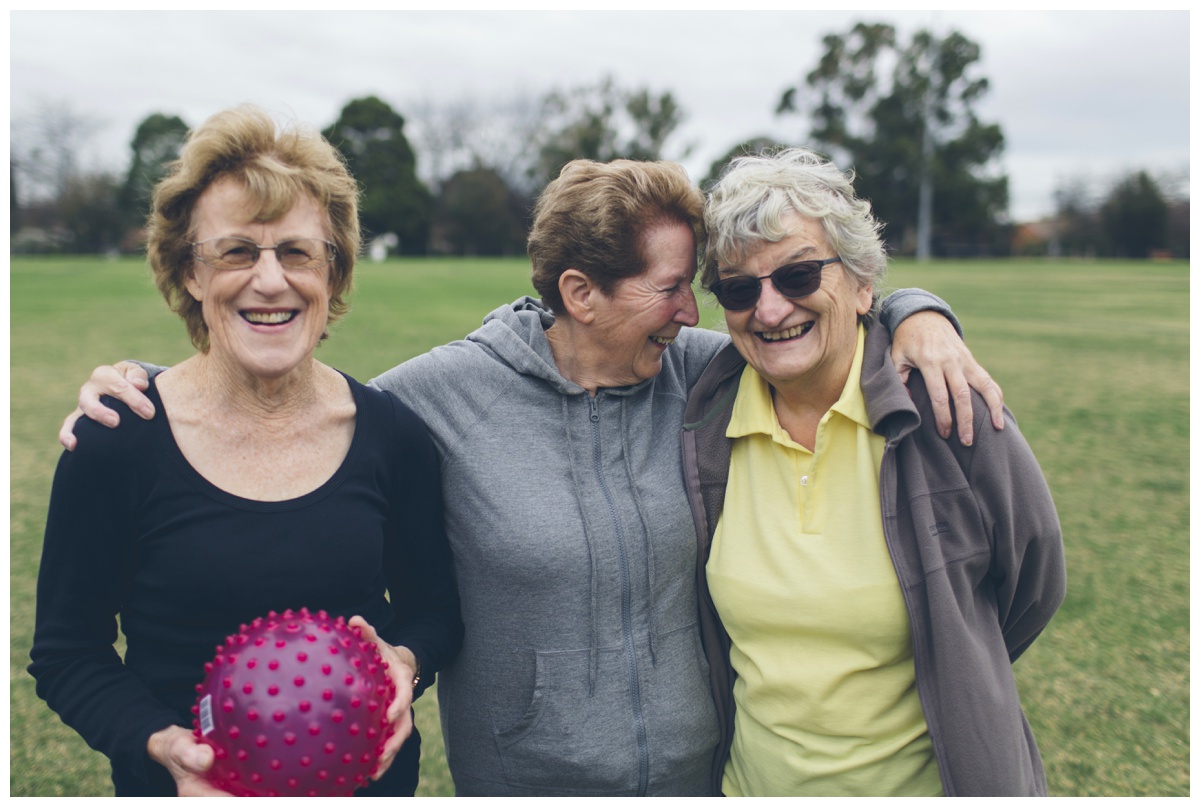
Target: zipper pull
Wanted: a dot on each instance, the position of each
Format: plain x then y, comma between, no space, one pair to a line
594,402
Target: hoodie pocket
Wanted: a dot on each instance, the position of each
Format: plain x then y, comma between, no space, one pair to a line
570,739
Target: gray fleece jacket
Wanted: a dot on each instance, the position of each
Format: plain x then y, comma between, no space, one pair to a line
976,542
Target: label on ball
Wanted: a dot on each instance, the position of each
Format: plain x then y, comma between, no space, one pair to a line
206,719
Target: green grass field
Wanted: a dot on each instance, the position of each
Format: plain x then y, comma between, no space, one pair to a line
1093,359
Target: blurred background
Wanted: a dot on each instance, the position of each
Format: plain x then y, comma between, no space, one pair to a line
973,133
1031,167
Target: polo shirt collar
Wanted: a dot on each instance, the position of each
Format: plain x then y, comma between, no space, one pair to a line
754,411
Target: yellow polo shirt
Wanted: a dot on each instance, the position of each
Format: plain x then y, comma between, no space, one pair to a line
826,692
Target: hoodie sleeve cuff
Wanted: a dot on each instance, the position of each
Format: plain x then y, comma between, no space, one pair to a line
903,303
151,369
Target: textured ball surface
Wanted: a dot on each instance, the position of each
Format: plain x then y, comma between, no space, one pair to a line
295,704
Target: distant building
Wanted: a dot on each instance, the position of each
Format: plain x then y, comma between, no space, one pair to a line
1036,238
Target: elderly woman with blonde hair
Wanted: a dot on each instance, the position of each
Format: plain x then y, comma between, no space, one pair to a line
266,481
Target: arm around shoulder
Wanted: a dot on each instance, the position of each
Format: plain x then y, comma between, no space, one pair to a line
903,303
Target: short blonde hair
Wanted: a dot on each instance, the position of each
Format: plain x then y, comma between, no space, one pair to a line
594,215
275,169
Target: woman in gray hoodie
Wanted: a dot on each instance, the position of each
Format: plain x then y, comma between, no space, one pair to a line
557,425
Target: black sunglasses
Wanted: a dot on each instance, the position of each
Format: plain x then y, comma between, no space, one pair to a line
793,281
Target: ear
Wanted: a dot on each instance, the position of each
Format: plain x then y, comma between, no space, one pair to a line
578,294
194,288
863,299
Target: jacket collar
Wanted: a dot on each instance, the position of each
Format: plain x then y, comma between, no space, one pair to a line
516,334
889,405
890,409
715,390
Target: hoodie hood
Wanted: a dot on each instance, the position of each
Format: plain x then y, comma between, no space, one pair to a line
516,334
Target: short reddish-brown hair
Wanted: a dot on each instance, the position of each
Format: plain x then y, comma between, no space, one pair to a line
593,216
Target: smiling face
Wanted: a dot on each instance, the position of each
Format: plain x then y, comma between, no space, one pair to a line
264,320
636,324
805,343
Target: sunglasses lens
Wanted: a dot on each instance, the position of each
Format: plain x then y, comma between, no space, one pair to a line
798,279
793,281
736,294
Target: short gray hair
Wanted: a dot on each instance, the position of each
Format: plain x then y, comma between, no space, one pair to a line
755,193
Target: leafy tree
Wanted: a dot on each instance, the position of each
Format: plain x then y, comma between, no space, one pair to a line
603,122
873,100
1127,217
1179,229
370,135
91,219
1134,217
156,143
478,214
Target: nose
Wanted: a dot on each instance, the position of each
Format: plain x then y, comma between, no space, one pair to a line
269,275
689,312
772,307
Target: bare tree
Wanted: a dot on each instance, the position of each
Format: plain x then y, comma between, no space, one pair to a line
1175,183
468,133
47,148
604,122
439,135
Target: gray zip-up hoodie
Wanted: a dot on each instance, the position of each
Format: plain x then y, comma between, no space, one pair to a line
976,542
581,671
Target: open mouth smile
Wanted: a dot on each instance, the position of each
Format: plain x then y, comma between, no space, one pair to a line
662,340
269,317
789,334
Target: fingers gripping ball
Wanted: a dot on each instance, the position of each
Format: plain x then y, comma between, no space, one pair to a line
294,705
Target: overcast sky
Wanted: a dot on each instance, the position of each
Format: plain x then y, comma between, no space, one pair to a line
1077,93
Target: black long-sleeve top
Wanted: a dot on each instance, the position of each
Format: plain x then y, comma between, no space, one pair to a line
134,531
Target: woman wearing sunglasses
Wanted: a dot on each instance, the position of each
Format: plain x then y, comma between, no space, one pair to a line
267,482
557,425
868,584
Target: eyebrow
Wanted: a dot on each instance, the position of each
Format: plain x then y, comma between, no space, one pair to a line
283,240
797,256
686,276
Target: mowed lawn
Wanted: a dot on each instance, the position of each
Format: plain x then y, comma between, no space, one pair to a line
1092,357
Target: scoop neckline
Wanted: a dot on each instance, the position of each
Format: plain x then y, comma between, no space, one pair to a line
232,499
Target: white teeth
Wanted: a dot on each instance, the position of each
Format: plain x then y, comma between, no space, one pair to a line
272,318
790,333
663,341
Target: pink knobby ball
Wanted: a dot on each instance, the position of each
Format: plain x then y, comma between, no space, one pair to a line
294,705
